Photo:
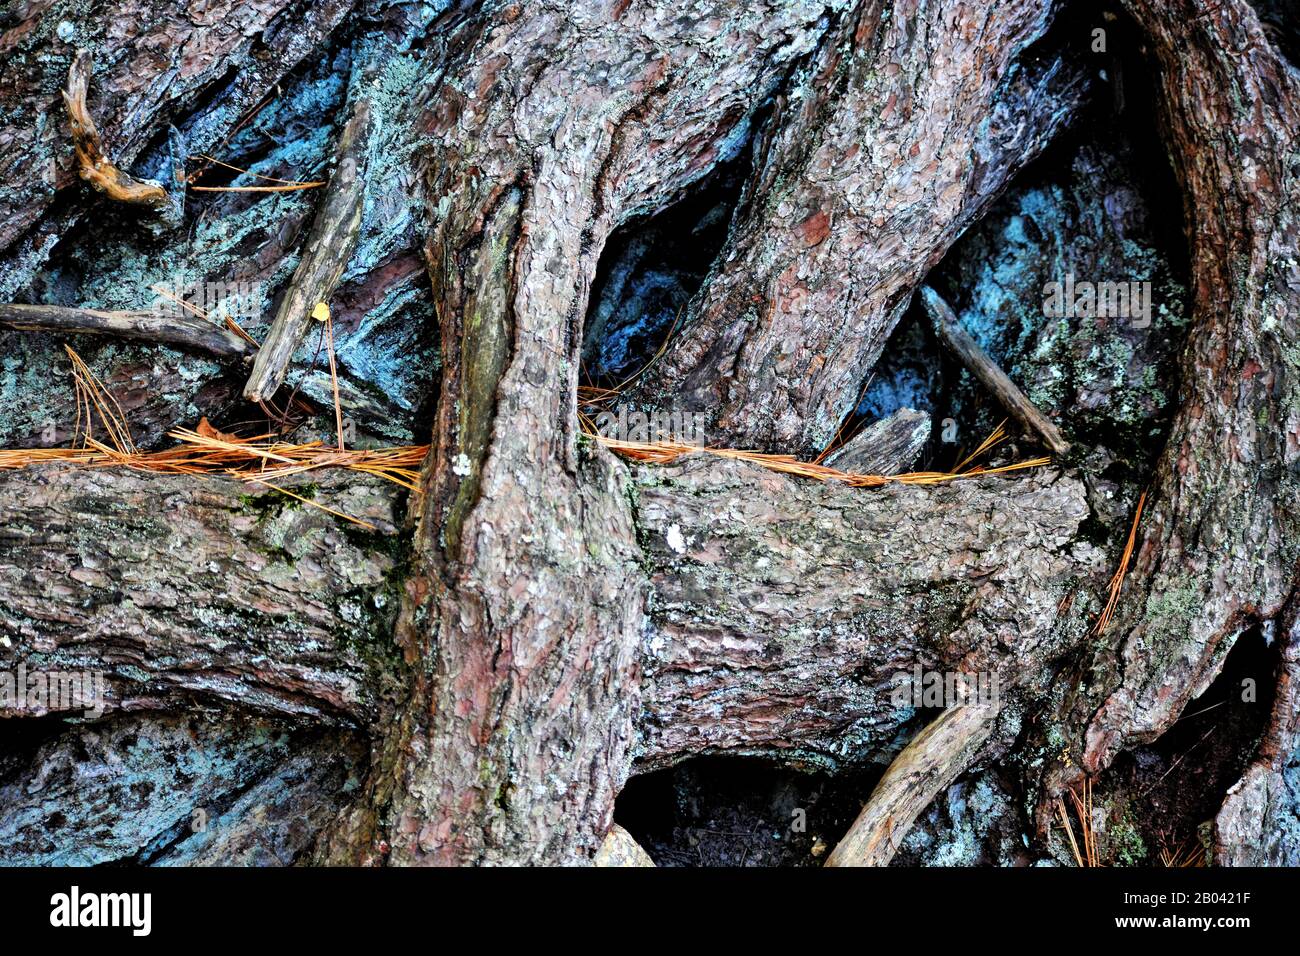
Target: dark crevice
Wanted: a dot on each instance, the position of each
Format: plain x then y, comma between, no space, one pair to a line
652,267
1281,22
741,811
1170,789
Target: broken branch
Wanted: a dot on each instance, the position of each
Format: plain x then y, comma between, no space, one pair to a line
329,246
935,758
974,358
180,331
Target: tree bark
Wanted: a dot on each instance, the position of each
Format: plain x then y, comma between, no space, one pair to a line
475,681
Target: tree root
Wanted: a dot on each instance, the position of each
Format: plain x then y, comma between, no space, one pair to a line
96,168
620,849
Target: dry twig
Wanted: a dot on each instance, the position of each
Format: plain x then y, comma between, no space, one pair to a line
92,165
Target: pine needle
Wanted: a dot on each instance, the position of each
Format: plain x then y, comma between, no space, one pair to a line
663,452
1089,857
205,450
1117,582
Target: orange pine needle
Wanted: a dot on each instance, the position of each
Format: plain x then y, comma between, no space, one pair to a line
664,452
334,376
1117,582
205,450
254,189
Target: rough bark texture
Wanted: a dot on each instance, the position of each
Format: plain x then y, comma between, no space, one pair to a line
1259,823
776,602
164,62
521,734
877,161
197,591
546,620
1218,550
889,446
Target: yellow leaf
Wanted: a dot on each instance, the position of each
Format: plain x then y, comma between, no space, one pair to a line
321,312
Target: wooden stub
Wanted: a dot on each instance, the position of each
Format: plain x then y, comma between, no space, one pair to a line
890,446
979,363
329,246
935,758
620,849
180,331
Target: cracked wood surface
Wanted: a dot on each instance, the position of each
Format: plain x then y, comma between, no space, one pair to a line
783,610
547,578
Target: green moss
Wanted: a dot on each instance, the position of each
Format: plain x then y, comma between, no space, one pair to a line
1126,845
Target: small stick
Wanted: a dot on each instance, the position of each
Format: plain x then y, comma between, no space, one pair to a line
329,246
975,359
92,165
181,331
932,761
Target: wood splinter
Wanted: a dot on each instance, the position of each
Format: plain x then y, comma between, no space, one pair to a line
181,331
96,168
329,246
983,367
932,761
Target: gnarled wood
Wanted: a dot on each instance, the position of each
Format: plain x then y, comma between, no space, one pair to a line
1219,549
